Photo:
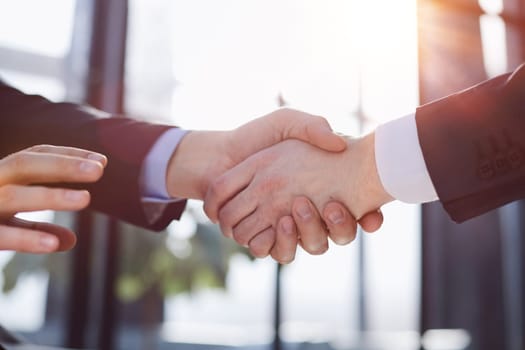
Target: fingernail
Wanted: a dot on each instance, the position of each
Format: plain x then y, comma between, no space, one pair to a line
74,196
48,242
304,211
287,226
97,157
88,167
227,232
336,217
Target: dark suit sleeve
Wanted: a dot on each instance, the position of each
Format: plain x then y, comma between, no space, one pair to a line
27,120
473,144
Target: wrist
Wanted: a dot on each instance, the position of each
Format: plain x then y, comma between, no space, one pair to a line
366,192
195,161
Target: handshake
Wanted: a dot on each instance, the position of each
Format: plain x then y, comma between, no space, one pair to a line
274,183
279,181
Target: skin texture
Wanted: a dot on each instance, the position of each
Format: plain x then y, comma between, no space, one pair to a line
292,229
200,158
203,156
19,172
255,200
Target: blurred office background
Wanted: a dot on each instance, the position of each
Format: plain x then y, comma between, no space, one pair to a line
421,282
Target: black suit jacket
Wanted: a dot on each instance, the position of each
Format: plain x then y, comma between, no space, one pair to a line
473,143
27,120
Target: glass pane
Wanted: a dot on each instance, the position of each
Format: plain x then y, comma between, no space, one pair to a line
40,27
215,65
35,39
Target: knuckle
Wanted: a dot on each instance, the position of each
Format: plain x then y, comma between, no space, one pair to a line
321,119
71,164
8,193
29,242
12,239
57,196
225,219
242,237
286,111
218,187
18,161
40,148
271,184
285,114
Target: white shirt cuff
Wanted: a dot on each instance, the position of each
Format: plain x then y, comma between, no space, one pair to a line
400,162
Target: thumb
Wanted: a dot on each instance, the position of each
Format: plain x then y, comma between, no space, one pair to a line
315,130
372,221
283,124
318,132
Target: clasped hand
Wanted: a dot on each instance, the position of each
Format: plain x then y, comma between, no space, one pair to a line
295,193
279,181
271,195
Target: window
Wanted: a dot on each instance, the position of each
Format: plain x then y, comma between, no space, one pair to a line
215,65
38,54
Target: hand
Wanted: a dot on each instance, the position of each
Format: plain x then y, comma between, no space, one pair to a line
202,156
19,172
311,232
256,193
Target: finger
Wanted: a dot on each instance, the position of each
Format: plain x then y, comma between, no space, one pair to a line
372,221
286,239
248,227
26,240
341,224
311,230
241,207
320,134
71,151
262,243
282,124
34,167
66,238
309,128
226,187
17,198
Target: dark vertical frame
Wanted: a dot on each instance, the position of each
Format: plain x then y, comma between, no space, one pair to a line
277,316
512,216
461,281
77,317
105,90
512,229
